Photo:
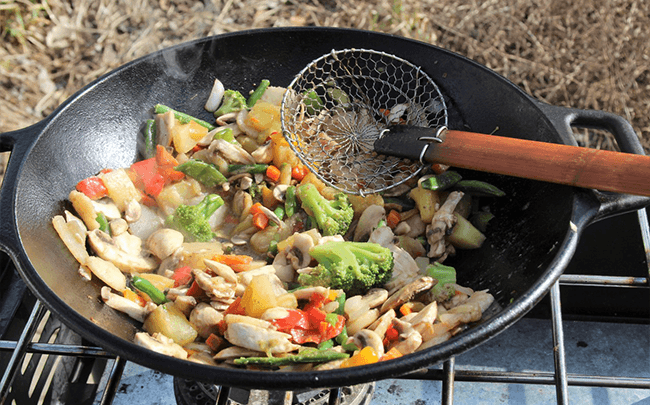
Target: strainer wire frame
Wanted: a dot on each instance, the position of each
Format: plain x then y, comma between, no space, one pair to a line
296,89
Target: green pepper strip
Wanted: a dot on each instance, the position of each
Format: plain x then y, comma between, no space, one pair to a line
103,223
306,356
279,211
150,139
206,173
342,339
340,310
257,94
146,287
328,344
290,201
441,181
257,168
182,117
227,135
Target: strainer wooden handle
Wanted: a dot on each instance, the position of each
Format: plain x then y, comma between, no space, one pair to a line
556,163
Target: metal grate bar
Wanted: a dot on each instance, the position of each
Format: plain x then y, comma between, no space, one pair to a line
19,351
113,382
58,349
604,281
448,379
559,356
531,377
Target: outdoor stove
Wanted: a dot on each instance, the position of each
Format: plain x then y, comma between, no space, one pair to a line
587,342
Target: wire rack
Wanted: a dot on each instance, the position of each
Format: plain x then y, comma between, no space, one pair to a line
38,339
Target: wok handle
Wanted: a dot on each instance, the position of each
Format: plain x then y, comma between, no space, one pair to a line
19,143
628,141
555,163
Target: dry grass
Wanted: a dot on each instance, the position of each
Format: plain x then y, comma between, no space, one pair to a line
591,54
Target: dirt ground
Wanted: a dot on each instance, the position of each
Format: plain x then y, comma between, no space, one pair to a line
591,54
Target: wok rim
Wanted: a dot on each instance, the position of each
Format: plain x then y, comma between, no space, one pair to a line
278,379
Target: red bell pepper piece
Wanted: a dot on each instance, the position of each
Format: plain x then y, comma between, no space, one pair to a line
147,176
93,187
182,276
235,308
296,319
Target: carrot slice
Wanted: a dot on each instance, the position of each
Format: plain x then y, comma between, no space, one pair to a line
260,220
273,173
393,218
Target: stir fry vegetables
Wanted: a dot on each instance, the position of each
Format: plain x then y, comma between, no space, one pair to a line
230,251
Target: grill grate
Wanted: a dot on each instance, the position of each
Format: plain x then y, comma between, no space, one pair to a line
69,369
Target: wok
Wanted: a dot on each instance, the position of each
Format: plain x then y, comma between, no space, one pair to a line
530,242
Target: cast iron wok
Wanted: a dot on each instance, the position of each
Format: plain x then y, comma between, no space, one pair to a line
529,244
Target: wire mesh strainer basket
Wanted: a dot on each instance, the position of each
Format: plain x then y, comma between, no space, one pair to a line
340,104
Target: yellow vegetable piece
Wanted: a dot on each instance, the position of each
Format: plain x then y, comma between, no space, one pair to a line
263,115
120,188
170,321
364,356
426,202
258,296
186,136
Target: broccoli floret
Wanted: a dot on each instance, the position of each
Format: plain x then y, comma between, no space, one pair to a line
232,101
192,220
332,217
354,267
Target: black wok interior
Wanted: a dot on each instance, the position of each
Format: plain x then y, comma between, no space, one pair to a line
99,128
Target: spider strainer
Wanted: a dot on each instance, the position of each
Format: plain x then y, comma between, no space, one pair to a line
338,106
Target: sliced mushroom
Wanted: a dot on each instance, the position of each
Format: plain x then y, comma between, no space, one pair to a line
235,352
263,154
259,339
164,124
161,344
185,303
222,270
381,325
368,222
408,339
408,292
164,242
73,234
133,211
107,272
108,249
283,269
231,152
214,287
205,319
125,305
363,320
280,191
443,220
298,254
118,226
366,337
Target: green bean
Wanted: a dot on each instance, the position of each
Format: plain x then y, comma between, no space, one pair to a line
205,173
149,139
256,168
182,117
257,94
306,356
290,201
